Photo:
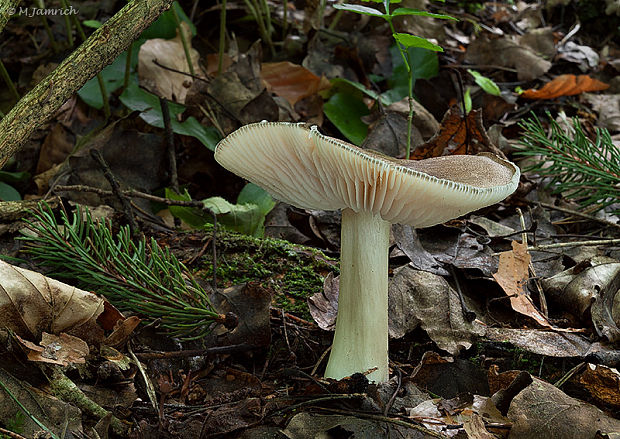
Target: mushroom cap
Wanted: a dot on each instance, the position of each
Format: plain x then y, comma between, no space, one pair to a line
302,167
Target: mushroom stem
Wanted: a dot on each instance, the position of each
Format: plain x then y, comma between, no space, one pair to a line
361,338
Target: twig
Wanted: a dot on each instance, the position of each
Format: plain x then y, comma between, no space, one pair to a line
541,295
577,213
232,349
574,244
390,403
10,434
385,419
169,141
116,189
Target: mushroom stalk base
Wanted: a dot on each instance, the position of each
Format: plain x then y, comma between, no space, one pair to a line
361,338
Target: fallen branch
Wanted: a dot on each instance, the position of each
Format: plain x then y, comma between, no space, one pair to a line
99,50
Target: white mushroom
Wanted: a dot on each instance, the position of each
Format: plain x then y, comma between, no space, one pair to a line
309,170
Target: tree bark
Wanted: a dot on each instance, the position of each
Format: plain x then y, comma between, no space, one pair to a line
7,8
99,50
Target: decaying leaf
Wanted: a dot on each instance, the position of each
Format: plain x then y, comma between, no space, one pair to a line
542,410
602,382
163,81
450,416
425,299
565,85
292,81
512,276
589,290
31,304
63,349
457,135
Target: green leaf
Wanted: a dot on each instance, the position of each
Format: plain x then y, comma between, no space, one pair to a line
408,40
95,24
409,11
254,194
424,65
345,112
190,215
14,177
165,26
487,84
8,193
467,99
338,83
137,99
359,9
242,218
113,77
247,218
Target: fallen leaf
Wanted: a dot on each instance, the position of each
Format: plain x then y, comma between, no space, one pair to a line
60,349
166,81
292,81
602,382
31,304
512,275
457,135
565,85
542,410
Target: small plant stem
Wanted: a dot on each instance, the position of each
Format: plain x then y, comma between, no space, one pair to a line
7,79
116,188
284,20
69,29
127,67
405,55
100,81
169,142
254,9
410,115
48,30
222,46
184,41
335,20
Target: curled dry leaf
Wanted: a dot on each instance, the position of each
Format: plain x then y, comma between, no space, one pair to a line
565,85
63,349
31,304
512,276
291,81
168,53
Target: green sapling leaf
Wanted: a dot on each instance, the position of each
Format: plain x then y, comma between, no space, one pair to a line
408,40
95,24
467,100
359,9
409,11
487,84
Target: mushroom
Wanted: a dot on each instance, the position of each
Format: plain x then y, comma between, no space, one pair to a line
302,167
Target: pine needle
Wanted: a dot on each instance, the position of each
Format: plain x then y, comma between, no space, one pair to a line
584,170
135,276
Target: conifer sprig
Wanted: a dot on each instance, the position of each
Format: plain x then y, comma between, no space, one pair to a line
136,276
584,170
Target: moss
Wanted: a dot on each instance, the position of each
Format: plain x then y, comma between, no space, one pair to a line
294,272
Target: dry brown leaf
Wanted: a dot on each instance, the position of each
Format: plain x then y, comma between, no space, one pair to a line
457,135
565,85
292,81
168,53
31,304
63,349
512,276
